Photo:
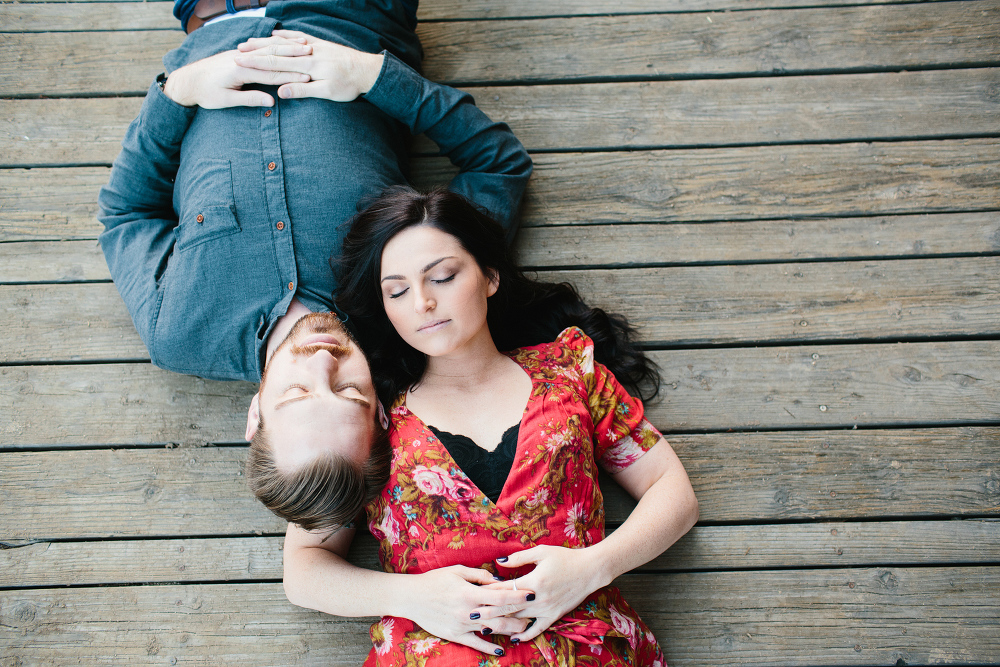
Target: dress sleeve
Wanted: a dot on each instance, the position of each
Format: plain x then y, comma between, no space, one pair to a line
621,432
493,165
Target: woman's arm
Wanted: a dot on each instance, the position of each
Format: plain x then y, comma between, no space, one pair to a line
318,576
563,577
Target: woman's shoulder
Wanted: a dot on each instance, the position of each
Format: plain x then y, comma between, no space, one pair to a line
572,350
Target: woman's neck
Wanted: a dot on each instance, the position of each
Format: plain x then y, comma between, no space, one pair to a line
473,364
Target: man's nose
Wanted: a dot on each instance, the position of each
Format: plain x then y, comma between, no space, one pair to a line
323,362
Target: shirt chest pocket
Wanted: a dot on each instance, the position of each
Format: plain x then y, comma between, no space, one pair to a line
209,210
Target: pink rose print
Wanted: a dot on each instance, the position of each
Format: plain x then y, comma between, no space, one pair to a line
435,481
624,625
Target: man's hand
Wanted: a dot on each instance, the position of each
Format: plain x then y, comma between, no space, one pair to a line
217,82
334,72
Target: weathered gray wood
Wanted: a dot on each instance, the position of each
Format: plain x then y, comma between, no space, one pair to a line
611,116
121,403
786,617
609,245
46,16
647,46
854,544
836,386
50,204
722,184
761,182
760,477
753,42
702,304
765,240
49,261
718,389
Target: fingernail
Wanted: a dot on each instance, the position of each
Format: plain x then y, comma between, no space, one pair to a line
529,597
487,631
530,623
498,651
515,641
502,559
474,615
496,578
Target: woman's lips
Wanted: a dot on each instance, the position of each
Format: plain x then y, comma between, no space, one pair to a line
431,327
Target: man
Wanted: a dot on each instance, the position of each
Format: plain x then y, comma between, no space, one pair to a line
226,202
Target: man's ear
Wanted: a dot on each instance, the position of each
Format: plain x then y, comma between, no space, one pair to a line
253,417
494,277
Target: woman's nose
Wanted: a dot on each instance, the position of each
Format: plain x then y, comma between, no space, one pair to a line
423,302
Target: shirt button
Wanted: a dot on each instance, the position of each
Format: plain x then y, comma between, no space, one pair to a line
271,166
280,225
291,285
267,114
200,218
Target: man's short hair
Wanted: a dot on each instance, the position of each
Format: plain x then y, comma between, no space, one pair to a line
325,494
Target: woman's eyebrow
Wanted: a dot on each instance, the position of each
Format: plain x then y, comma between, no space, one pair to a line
423,270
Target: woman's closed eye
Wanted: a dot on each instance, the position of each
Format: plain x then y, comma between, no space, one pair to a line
444,280
398,293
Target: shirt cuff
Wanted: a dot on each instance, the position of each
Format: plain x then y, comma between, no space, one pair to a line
396,89
163,118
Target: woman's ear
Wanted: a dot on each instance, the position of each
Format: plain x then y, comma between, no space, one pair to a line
494,277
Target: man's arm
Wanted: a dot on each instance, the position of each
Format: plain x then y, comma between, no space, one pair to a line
494,166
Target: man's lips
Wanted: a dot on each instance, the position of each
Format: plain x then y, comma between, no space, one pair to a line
433,326
319,339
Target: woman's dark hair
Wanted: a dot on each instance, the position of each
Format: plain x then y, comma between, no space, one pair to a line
522,312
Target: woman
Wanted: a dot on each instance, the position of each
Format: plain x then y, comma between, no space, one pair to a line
431,292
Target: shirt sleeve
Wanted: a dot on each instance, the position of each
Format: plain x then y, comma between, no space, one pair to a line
136,206
621,432
493,165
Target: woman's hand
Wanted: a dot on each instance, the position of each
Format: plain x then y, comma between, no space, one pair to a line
454,603
335,72
562,578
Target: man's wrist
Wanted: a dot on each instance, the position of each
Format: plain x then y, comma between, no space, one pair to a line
369,67
173,87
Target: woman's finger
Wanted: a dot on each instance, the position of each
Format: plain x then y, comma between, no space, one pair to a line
500,597
472,640
539,626
519,558
474,575
488,612
504,625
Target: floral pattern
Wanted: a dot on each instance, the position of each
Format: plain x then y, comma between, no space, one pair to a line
431,515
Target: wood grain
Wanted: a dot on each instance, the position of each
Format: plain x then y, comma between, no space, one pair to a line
789,617
872,299
757,477
611,116
684,185
658,46
833,544
631,245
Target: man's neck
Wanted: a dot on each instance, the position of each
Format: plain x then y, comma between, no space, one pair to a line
285,323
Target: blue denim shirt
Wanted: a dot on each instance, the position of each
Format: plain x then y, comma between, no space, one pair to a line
215,219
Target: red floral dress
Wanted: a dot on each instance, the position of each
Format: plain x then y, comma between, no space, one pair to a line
430,515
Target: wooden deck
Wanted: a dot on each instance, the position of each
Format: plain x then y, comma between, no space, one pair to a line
797,200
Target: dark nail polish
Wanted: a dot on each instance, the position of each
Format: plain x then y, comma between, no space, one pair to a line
515,641
496,578
498,651
502,559
530,623
474,615
487,631
530,597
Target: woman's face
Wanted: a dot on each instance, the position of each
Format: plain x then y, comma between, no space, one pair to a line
433,291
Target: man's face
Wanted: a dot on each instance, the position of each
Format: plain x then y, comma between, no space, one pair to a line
316,395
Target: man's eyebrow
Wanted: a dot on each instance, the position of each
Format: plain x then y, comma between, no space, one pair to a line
360,401
292,400
423,270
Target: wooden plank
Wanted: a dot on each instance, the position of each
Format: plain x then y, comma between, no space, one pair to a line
52,261
483,9
762,182
938,34
765,240
835,544
888,299
46,16
722,184
50,204
759,388
76,404
759,477
617,245
611,116
816,617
